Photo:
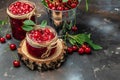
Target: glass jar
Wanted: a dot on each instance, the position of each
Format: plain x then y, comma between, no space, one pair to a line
62,14
41,49
16,20
60,18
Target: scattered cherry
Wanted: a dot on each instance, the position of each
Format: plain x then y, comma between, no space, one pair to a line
74,28
16,63
69,50
8,36
12,46
2,40
88,50
75,48
73,5
81,51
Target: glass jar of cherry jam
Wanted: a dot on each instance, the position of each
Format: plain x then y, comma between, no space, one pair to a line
41,42
18,12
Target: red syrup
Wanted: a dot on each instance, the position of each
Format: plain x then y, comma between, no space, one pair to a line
18,12
41,36
37,52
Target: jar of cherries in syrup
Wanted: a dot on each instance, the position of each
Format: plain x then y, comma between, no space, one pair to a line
41,42
18,12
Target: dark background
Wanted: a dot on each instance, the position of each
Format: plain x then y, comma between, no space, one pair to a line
102,21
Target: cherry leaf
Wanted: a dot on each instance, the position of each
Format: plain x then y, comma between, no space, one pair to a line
29,22
43,23
64,0
27,28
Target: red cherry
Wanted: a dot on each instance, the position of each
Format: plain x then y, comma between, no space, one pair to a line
69,50
8,36
60,8
47,1
12,46
74,28
75,48
84,46
2,40
18,3
81,51
20,8
73,5
88,50
47,30
16,63
53,8
50,5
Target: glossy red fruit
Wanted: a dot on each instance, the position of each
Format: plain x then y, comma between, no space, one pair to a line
16,63
84,46
50,5
20,8
2,40
81,51
8,36
74,28
88,50
75,48
73,5
60,8
12,46
69,50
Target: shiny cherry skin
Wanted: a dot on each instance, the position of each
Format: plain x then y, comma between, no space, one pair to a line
88,50
74,28
2,40
16,63
8,36
12,46
69,50
81,51
75,48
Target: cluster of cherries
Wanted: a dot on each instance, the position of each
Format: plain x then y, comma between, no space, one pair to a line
20,8
60,5
84,49
12,46
41,35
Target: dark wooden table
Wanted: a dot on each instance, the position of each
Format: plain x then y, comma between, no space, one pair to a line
102,21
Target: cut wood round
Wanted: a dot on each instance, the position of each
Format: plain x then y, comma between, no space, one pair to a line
50,63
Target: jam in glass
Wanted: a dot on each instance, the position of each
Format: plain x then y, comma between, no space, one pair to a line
41,42
18,12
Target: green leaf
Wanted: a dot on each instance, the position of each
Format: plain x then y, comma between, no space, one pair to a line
0,28
82,38
94,46
86,5
64,0
44,3
43,23
27,28
70,25
29,22
72,41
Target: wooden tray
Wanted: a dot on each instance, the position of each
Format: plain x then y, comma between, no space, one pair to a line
50,63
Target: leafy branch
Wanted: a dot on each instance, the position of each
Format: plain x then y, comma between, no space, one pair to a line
80,39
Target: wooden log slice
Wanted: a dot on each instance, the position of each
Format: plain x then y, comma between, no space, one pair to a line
50,63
